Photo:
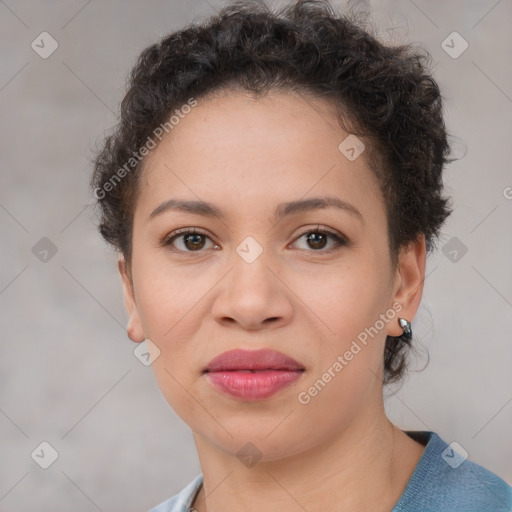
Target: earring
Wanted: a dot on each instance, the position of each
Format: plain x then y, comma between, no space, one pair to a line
406,326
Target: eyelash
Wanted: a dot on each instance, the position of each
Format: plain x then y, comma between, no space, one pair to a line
339,241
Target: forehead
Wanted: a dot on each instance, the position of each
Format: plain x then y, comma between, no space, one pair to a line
230,146
238,125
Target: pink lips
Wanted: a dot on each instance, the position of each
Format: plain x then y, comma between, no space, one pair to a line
252,374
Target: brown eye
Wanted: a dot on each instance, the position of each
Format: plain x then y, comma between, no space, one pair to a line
190,241
318,239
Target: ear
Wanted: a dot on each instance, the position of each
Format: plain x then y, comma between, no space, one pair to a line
134,328
408,283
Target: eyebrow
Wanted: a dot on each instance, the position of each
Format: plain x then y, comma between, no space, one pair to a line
282,210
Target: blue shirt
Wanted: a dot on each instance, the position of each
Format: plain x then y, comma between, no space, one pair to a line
442,481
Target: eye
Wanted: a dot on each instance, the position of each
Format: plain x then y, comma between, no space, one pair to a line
192,240
318,238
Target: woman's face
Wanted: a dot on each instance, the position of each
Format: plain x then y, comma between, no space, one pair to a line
259,275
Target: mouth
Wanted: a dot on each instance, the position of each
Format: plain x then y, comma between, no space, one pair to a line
239,370
243,370
252,375
252,361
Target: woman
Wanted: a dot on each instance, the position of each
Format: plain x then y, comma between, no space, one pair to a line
273,189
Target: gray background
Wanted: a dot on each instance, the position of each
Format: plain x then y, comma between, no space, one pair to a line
68,373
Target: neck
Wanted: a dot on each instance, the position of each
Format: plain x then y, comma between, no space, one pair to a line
365,467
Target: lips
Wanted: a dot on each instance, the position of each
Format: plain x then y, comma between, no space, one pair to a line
252,375
252,361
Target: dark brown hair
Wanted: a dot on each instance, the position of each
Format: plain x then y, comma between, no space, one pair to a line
383,94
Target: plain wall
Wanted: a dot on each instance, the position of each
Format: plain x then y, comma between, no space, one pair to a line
67,369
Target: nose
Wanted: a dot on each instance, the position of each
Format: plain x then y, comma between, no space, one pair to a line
253,296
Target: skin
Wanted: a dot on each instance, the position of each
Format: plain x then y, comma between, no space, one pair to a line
245,155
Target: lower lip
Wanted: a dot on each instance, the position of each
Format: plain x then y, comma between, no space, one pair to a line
252,386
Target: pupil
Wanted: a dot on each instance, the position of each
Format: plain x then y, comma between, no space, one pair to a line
195,244
312,236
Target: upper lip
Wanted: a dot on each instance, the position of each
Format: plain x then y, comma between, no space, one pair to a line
239,359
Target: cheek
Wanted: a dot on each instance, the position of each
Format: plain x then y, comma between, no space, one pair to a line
349,355
348,346
345,300
165,296
172,306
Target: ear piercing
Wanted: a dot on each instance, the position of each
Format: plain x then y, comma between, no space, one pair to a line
406,326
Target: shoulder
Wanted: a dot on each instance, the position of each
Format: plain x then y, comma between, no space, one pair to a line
182,501
444,479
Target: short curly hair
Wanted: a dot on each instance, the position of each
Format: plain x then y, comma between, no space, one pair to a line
384,94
